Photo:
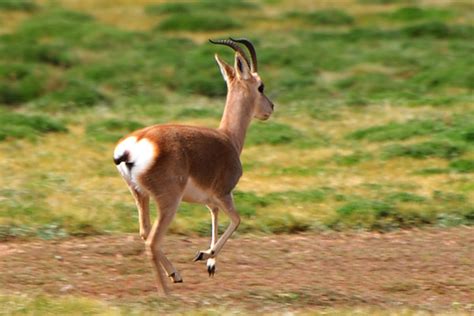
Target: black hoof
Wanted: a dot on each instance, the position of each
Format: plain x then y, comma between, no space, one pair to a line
199,256
172,275
211,270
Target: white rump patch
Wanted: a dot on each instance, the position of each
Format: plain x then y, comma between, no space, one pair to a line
124,145
141,154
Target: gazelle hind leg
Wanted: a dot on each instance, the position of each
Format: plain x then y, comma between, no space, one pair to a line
155,239
142,201
227,205
172,273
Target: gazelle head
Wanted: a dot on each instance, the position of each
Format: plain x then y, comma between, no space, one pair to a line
243,82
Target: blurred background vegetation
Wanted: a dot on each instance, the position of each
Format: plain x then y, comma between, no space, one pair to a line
373,129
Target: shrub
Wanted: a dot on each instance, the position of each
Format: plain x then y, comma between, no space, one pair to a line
16,125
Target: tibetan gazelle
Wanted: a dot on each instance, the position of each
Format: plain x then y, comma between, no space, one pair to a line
174,163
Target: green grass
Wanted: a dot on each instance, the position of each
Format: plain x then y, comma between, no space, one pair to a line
402,210
384,1
20,83
17,125
111,130
75,93
272,133
18,5
352,159
77,305
446,150
398,131
201,5
323,17
382,97
197,22
409,14
462,165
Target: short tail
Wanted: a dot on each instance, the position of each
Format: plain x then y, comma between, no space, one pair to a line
122,158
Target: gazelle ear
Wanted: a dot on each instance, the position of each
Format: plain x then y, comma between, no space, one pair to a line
226,70
241,66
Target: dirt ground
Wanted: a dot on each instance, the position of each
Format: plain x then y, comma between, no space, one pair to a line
430,269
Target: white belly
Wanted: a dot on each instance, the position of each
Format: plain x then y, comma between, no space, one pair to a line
194,194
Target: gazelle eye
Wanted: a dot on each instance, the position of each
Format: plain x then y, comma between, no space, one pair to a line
260,88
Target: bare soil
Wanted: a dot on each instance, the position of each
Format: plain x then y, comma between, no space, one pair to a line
430,269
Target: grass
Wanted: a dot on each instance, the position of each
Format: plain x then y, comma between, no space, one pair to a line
111,130
272,133
16,125
18,5
323,17
409,14
76,305
20,83
201,5
398,131
197,22
424,150
462,165
373,111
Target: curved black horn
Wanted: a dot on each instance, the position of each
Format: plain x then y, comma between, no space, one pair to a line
234,46
251,49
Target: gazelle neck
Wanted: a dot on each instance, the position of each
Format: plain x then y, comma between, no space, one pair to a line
236,119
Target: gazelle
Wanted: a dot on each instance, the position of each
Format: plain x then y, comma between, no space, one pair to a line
174,163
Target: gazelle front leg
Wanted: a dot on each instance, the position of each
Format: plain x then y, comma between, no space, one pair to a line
227,204
211,262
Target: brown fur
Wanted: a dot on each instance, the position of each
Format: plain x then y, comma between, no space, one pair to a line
201,162
206,155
